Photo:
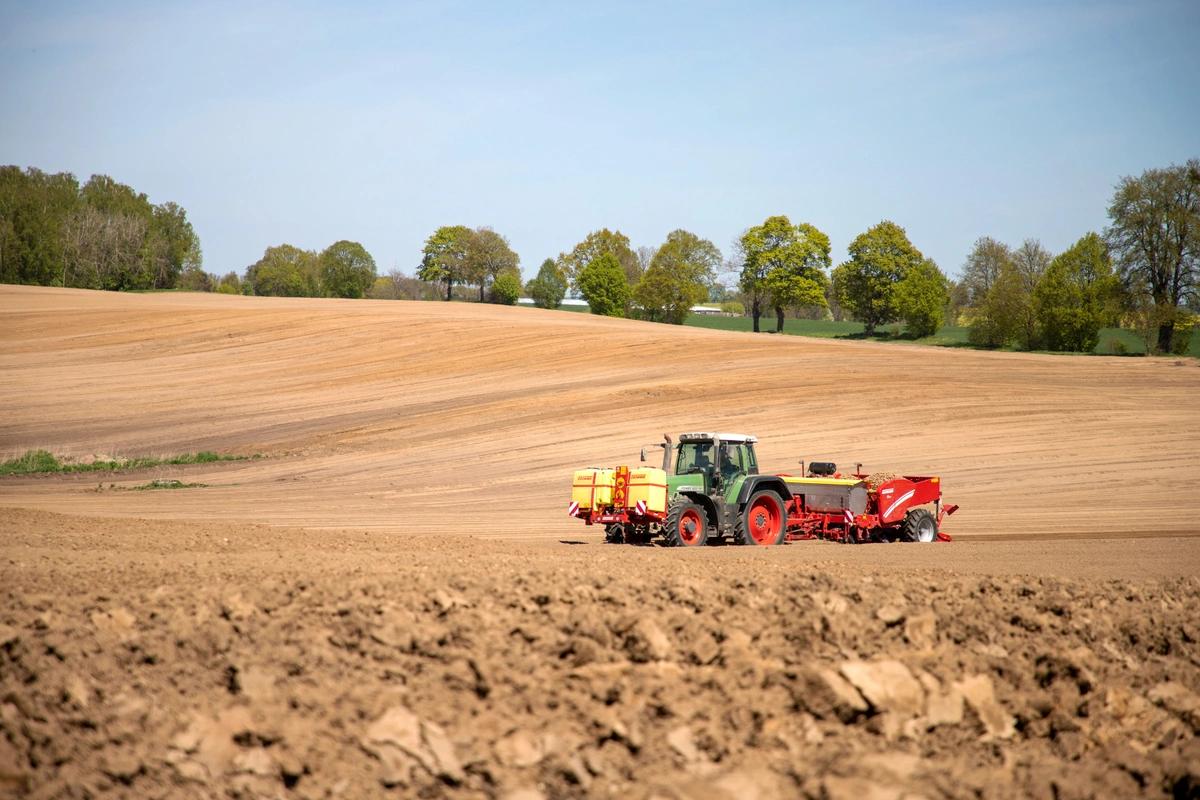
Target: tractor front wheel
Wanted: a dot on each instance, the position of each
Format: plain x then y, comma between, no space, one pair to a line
763,521
686,525
919,526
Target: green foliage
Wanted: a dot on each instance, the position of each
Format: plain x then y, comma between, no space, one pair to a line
230,283
957,301
171,247
880,258
1184,332
31,462
986,259
549,287
103,235
1155,240
398,286
999,320
784,265
1075,296
167,484
1032,261
488,255
444,258
195,279
677,278
604,286
733,307
285,271
506,289
347,270
596,244
34,207
921,297
34,462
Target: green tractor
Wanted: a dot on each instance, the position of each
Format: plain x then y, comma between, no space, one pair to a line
715,493
709,490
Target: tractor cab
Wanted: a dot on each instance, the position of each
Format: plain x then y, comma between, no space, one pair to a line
718,459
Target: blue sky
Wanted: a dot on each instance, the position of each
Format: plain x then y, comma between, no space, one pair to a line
307,123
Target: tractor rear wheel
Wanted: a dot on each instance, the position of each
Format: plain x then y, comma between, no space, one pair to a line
919,526
763,521
614,533
686,524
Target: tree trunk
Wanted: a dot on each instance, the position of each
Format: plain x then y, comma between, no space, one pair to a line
869,328
779,319
1165,333
481,291
449,286
756,311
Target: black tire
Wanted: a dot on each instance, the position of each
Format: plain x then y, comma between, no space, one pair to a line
614,533
763,521
686,524
919,526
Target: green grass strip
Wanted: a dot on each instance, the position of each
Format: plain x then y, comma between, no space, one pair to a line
41,462
166,484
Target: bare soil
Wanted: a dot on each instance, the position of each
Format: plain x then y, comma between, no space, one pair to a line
392,601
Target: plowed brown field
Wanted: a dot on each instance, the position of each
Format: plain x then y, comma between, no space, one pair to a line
391,600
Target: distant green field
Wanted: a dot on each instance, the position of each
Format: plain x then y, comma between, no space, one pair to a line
1111,339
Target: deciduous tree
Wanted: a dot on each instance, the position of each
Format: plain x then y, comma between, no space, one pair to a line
549,287
921,297
230,283
604,286
445,257
982,268
999,320
194,279
34,207
347,270
1076,296
506,288
1155,239
284,271
594,245
171,245
488,254
102,250
783,264
678,277
880,258
1031,260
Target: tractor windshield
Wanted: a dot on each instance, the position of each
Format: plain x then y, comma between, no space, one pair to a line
738,457
694,457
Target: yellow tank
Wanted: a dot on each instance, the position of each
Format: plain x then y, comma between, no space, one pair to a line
592,488
649,485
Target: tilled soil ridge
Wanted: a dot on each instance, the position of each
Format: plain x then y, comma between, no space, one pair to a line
457,668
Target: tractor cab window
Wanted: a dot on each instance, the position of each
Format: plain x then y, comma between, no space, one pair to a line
694,457
738,458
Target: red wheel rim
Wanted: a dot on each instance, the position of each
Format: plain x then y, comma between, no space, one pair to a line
763,520
690,526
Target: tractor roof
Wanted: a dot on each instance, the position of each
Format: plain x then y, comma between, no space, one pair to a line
720,437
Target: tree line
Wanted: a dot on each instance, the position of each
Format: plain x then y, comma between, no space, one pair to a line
101,235
1140,273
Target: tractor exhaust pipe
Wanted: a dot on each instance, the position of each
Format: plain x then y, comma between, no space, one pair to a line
666,452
